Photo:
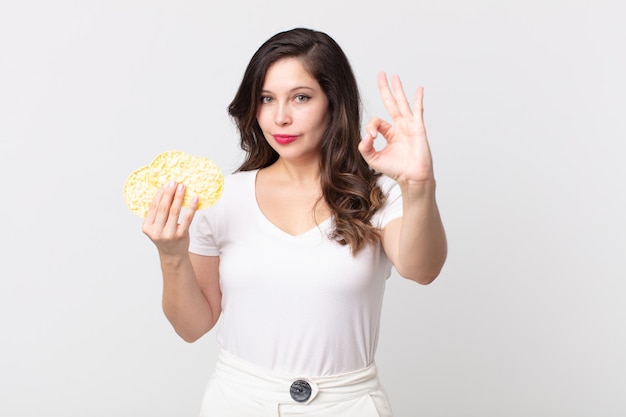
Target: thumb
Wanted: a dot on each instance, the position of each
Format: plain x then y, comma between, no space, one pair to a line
366,147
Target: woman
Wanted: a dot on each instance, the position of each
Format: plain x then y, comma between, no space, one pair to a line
293,258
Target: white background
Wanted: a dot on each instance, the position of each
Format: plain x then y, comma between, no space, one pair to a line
525,104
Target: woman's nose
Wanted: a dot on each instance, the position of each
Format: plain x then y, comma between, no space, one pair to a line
283,115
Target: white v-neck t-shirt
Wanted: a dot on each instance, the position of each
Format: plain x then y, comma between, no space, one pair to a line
298,304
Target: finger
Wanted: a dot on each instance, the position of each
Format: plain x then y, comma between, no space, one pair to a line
151,215
376,125
418,105
162,210
401,100
388,99
175,208
189,214
366,147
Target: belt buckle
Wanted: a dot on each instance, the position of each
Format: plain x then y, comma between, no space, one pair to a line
300,391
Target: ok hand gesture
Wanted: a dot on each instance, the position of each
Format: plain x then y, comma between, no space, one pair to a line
406,156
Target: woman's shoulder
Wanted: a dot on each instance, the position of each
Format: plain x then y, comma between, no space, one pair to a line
240,175
237,187
239,179
237,192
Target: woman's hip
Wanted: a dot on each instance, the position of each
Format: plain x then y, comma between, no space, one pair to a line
241,389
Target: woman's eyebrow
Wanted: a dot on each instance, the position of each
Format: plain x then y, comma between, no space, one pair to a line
303,87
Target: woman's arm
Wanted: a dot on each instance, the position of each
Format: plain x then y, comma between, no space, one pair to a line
415,243
191,294
191,291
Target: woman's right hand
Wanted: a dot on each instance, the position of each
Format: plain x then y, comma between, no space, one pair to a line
164,225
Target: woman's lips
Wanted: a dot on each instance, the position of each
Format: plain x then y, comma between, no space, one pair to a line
284,139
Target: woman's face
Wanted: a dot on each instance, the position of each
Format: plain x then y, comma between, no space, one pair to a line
293,113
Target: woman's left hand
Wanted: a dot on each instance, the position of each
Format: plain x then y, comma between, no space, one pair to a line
406,156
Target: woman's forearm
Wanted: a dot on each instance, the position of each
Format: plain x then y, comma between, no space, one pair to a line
422,245
184,303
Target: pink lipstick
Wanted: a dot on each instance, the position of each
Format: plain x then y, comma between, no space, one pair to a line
284,139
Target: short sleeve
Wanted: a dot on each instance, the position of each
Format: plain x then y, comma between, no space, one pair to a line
392,209
201,240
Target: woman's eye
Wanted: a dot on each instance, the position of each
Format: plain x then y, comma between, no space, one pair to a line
301,98
266,99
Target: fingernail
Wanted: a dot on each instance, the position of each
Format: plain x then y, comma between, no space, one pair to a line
172,184
373,133
180,187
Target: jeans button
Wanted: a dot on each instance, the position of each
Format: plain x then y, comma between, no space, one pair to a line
300,391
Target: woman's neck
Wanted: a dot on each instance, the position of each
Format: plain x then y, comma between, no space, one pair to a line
306,173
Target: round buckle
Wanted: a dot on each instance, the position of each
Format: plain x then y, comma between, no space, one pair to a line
300,391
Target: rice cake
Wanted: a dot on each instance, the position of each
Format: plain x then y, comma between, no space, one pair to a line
201,177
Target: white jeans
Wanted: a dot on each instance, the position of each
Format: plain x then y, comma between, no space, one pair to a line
241,389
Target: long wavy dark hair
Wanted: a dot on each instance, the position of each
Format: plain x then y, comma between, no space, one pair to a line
349,186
